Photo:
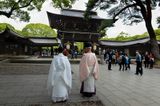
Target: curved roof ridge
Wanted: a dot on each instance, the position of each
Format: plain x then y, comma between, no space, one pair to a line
12,32
124,43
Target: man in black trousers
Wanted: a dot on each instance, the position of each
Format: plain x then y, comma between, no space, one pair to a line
139,69
109,59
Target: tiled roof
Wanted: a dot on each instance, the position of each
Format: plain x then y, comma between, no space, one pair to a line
125,43
44,41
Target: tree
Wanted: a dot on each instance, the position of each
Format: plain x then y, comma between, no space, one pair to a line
38,30
131,11
158,21
20,8
63,3
3,26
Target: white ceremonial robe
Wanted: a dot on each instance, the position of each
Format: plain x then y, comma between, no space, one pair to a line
60,78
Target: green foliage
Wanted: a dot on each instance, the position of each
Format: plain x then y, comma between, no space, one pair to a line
20,33
38,30
131,11
90,6
157,31
63,3
125,37
20,8
158,21
104,24
80,46
31,30
103,32
3,26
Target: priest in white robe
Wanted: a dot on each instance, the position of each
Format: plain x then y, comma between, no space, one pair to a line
88,71
59,78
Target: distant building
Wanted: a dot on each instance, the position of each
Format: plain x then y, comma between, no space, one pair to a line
130,47
11,43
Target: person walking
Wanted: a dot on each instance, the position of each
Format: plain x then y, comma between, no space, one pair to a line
139,69
121,61
88,71
59,78
146,60
109,59
127,62
151,60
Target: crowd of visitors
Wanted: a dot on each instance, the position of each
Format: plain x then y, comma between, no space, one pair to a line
124,60
117,57
148,60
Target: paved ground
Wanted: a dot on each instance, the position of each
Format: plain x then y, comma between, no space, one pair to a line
117,88
26,84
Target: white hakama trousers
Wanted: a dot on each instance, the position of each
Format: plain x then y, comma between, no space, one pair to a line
59,91
88,85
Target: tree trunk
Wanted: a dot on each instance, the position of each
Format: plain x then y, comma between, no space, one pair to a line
153,41
147,15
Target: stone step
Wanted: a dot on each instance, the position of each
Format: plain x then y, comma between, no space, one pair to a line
40,60
84,103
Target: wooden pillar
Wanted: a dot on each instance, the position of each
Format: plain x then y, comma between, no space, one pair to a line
40,50
51,50
25,49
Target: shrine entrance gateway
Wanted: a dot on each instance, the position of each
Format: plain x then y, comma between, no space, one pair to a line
72,27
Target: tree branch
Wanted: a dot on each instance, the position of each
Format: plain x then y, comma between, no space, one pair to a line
4,13
14,8
143,9
11,10
123,10
27,4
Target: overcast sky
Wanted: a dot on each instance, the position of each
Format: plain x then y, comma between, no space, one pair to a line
41,17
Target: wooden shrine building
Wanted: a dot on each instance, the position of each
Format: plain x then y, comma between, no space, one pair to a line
11,43
72,27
